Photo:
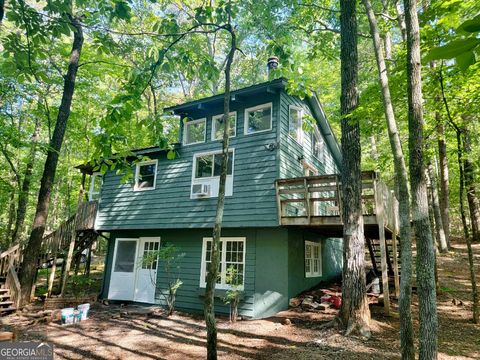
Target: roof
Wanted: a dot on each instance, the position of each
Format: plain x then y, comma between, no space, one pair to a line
218,99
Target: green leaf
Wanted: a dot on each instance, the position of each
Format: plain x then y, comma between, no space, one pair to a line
452,49
122,10
470,26
465,60
171,155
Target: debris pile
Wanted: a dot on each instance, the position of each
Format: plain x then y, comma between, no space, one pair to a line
324,299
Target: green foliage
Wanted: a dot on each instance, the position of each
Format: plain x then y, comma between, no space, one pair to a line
234,293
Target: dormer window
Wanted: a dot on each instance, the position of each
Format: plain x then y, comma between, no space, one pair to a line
194,132
218,126
146,175
258,119
295,123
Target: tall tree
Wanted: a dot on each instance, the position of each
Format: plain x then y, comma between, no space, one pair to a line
444,177
29,266
209,309
421,225
401,182
354,314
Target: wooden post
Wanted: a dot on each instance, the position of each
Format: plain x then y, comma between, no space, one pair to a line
307,198
380,214
69,260
395,231
279,203
51,278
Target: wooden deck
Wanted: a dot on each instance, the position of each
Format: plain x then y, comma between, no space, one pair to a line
316,202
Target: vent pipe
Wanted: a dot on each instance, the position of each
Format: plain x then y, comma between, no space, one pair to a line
272,65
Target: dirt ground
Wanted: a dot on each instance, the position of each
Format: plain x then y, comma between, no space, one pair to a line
114,332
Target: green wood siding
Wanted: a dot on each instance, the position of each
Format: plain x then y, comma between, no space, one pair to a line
253,201
291,150
331,252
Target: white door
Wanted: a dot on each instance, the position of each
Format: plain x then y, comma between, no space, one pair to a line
122,279
146,274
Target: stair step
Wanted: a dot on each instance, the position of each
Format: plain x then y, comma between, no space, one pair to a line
3,303
4,296
3,291
11,308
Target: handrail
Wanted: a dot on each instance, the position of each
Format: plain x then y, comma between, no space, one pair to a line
13,284
304,198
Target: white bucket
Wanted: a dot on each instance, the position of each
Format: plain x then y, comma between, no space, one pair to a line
67,316
83,308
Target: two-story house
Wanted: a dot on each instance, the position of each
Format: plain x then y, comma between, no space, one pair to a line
174,201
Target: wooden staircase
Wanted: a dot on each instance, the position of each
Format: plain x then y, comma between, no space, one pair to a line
373,252
68,241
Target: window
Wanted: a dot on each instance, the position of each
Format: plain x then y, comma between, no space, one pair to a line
313,259
194,132
125,256
258,119
217,126
206,171
318,145
95,186
145,175
232,262
295,123
149,248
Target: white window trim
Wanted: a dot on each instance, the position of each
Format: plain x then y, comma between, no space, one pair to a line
92,186
215,117
207,178
137,172
299,131
187,123
312,273
203,264
258,107
316,131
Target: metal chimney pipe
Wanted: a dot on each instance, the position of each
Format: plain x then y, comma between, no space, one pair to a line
272,64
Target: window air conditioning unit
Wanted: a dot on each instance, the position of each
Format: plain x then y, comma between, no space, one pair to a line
200,190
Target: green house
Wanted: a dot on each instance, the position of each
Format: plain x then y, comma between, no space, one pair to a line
174,202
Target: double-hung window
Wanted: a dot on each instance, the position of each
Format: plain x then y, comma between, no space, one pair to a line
231,269
218,126
313,259
295,123
194,131
206,174
95,186
146,175
318,145
258,119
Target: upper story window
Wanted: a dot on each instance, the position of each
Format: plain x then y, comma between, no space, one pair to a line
218,126
206,174
95,186
295,120
146,175
194,131
232,262
313,259
258,119
318,145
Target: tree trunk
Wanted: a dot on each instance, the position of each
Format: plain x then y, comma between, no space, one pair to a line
25,190
431,217
444,181
471,264
425,250
354,314
209,308
401,19
401,182
439,228
469,171
29,265
11,218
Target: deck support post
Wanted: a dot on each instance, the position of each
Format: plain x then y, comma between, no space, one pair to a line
380,214
68,263
51,278
279,204
395,231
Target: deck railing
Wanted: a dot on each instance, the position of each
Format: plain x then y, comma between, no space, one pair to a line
9,263
316,200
